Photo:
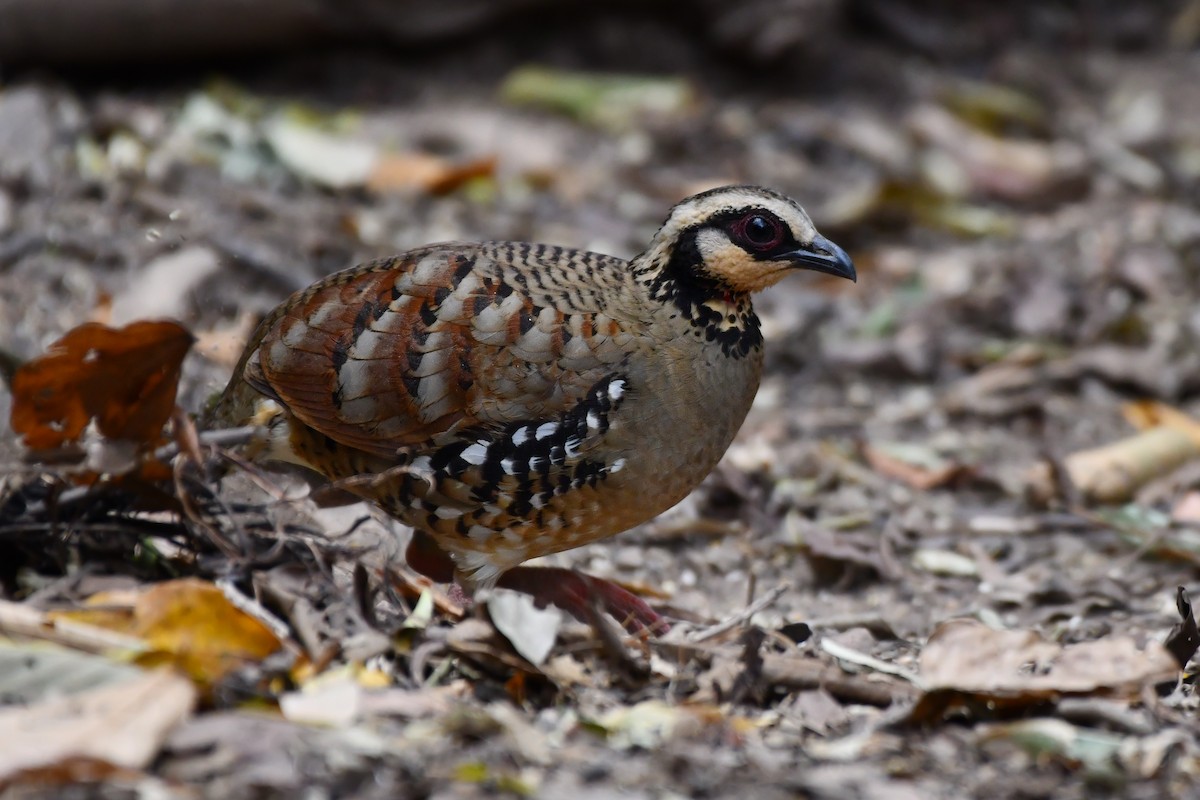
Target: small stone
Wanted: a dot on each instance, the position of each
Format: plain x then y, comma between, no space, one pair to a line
26,136
629,557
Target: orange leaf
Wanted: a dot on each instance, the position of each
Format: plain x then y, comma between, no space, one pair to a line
188,623
205,634
124,378
400,171
1143,414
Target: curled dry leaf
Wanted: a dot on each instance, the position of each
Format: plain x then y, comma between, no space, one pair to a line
1112,473
1184,638
966,660
123,378
403,171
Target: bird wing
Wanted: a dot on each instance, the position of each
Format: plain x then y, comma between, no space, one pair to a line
414,349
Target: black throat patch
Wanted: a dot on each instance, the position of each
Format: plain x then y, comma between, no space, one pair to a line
718,313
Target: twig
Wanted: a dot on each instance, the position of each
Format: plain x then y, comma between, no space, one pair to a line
224,437
251,607
219,438
804,673
373,480
840,651
631,669
194,515
749,683
729,623
21,620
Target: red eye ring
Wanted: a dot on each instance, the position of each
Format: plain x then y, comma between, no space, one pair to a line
758,231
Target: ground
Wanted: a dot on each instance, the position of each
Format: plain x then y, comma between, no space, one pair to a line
960,511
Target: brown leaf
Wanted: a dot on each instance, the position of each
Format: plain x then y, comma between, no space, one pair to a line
966,662
123,378
968,655
916,466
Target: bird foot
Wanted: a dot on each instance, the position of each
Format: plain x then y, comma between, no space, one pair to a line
573,592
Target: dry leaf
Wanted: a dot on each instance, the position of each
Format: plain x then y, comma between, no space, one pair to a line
188,623
945,562
1184,638
164,286
1112,473
400,171
1096,751
531,631
917,466
481,642
34,671
123,378
1144,414
651,723
832,553
327,159
122,724
969,656
964,659
614,102
1014,169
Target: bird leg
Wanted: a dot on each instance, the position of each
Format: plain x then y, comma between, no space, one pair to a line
573,592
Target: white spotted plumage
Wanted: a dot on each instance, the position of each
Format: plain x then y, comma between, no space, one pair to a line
475,454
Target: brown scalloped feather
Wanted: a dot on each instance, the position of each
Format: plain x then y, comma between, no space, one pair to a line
403,352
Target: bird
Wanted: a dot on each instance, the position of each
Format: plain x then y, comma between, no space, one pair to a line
510,400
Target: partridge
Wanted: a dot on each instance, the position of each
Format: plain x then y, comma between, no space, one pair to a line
509,400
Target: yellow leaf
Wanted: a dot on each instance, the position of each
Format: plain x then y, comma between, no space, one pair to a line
206,635
188,624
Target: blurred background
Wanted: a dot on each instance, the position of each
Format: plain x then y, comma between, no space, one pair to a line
1017,182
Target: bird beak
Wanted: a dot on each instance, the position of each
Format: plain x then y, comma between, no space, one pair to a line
822,255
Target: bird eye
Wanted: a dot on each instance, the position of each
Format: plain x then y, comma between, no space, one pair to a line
759,231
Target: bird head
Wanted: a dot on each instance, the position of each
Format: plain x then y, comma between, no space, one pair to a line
743,239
